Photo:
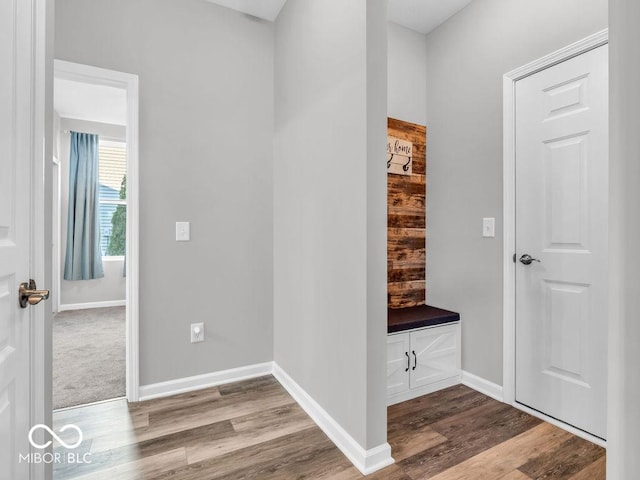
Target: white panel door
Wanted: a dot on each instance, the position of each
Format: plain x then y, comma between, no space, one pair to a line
561,222
435,354
397,363
15,158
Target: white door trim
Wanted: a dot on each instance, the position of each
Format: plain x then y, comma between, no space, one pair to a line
42,18
508,199
129,82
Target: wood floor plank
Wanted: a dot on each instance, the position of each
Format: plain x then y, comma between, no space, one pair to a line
187,439
468,434
150,467
224,407
251,430
426,410
392,472
498,461
176,419
323,463
596,471
182,400
491,416
351,473
248,386
406,443
270,419
105,417
574,455
419,404
251,461
156,446
105,429
65,470
515,475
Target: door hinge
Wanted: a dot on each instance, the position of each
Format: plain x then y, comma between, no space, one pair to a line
514,258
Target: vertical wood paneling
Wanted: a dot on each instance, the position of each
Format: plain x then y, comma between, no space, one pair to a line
406,233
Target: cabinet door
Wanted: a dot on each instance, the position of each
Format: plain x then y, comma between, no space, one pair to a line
397,363
435,355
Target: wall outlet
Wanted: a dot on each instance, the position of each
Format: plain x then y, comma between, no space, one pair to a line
197,332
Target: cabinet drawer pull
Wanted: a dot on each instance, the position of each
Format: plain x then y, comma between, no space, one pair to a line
408,362
415,359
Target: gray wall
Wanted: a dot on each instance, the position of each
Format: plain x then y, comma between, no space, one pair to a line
407,75
329,208
466,58
112,287
623,430
206,129
376,214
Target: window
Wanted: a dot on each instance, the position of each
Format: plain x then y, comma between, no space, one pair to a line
112,158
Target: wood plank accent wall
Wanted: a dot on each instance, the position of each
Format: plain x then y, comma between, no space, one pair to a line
406,224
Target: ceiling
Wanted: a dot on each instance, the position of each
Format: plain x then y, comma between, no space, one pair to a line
267,9
419,15
96,103
424,15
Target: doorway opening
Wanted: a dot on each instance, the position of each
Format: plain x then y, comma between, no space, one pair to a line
95,235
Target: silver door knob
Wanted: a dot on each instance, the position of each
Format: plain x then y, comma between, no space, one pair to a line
527,259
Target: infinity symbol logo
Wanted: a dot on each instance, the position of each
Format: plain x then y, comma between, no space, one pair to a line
55,436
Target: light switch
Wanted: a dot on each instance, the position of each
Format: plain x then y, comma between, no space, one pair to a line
488,227
183,231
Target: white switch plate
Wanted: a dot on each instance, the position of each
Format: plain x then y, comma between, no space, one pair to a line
183,231
489,227
197,332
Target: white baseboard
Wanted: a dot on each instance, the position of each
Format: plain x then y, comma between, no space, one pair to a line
198,382
83,306
420,391
367,461
481,385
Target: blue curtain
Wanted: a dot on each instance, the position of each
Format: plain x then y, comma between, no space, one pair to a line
83,259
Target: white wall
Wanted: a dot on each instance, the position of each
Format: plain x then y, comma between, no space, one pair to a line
466,58
206,130
330,208
112,287
623,431
407,75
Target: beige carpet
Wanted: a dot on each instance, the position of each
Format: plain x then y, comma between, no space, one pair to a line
88,356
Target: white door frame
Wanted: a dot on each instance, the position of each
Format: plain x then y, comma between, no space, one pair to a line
128,82
509,212
41,78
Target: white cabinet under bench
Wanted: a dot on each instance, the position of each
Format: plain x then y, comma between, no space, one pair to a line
422,359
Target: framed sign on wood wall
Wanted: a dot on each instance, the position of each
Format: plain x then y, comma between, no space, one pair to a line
399,156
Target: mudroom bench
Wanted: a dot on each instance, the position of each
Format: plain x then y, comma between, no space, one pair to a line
423,351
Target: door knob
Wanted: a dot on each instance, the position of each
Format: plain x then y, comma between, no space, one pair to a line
527,259
29,295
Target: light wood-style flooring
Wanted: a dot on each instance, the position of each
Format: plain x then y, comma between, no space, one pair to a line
255,430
